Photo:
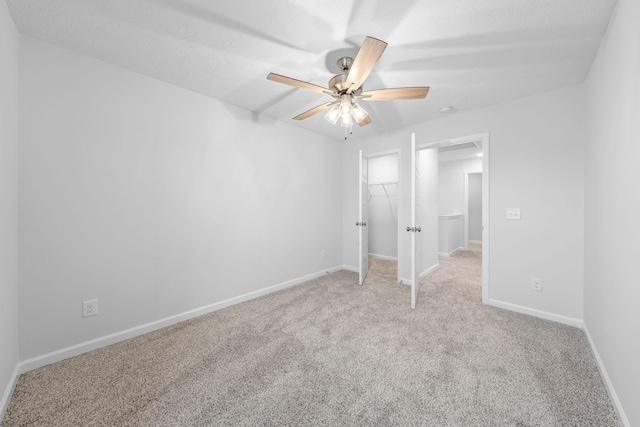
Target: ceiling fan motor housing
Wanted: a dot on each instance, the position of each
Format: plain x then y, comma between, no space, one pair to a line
337,83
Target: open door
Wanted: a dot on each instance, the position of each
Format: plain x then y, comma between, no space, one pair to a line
363,217
414,228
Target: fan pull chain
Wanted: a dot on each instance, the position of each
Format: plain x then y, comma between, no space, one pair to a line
350,132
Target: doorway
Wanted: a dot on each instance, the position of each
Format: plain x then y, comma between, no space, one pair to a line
463,199
383,213
420,210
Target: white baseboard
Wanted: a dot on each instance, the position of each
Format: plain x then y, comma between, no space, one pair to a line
350,268
409,282
75,350
607,381
536,313
479,242
431,269
390,258
8,392
450,253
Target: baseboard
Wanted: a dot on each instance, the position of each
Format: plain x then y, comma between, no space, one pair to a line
479,242
607,381
536,313
445,254
8,392
78,349
431,269
350,268
390,258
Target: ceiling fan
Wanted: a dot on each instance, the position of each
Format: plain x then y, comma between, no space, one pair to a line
346,87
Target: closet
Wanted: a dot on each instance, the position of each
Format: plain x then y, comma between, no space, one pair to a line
383,207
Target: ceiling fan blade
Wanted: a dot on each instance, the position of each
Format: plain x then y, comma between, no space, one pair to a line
365,121
314,111
296,83
395,93
367,57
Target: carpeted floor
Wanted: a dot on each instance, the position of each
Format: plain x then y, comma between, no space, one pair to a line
330,352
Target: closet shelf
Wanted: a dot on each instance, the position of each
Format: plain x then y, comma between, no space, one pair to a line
385,183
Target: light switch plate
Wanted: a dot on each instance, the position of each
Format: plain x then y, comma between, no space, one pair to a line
513,213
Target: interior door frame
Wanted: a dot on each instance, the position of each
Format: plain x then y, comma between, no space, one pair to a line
485,139
384,153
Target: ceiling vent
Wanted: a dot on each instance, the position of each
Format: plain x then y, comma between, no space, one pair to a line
464,145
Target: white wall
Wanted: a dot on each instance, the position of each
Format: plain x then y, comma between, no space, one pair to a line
383,206
450,234
451,184
156,200
8,203
612,206
475,207
536,164
427,210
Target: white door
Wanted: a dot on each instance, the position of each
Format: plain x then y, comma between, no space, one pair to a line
363,217
414,228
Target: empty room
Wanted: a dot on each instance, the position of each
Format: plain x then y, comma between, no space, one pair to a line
319,213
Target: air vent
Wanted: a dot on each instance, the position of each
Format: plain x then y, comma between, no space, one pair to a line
462,146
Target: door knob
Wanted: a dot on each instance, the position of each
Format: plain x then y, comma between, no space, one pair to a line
418,229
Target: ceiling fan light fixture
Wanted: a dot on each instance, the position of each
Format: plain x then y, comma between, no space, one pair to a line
346,121
333,115
358,113
345,107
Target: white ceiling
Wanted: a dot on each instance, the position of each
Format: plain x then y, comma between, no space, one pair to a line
471,53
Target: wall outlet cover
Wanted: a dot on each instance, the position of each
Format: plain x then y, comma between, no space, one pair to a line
89,308
536,284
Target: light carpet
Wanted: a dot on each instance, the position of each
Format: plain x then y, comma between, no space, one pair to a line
331,352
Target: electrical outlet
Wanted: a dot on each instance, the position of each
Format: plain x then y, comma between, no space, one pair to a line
322,254
513,213
536,284
89,308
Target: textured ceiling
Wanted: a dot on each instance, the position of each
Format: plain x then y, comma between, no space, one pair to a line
471,53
